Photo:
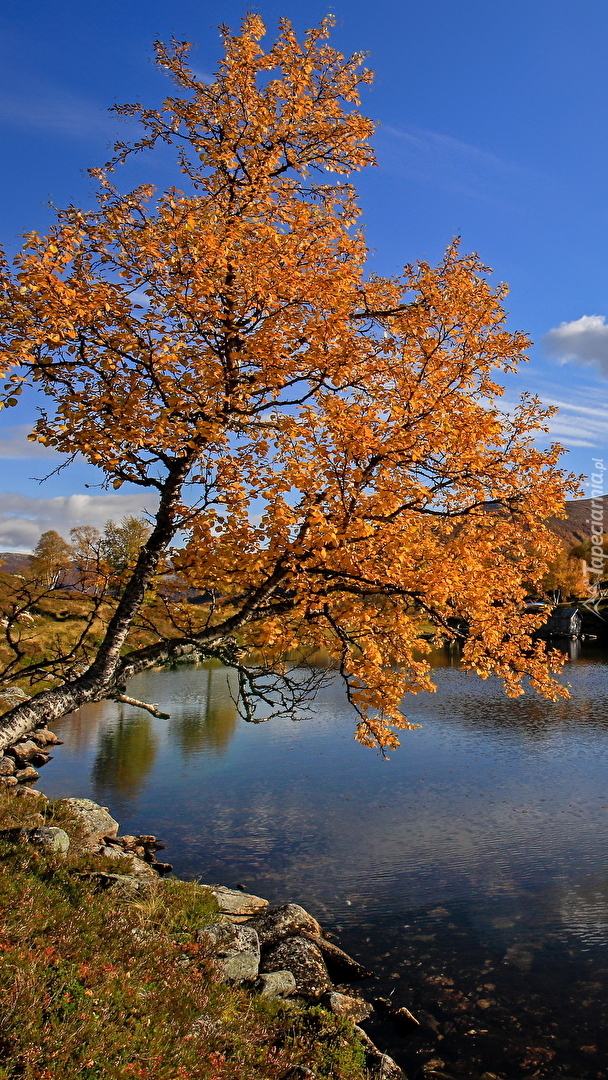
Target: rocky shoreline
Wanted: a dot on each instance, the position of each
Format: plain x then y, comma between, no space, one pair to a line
277,953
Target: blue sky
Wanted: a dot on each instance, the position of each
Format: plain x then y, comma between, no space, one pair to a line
492,125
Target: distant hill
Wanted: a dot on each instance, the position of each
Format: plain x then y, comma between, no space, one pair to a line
13,562
576,527
572,530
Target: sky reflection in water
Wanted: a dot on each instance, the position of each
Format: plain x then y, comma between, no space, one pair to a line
496,809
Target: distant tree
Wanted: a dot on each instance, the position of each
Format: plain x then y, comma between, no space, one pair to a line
328,445
564,579
51,559
121,543
87,558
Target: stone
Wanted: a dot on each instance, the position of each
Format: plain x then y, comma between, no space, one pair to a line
233,902
110,852
404,1020
28,791
45,737
305,961
278,923
8,781
23,751
352,1008
379,1066
95,819
340,965
235,950
7,766
27,775
276,984
51,838
124,885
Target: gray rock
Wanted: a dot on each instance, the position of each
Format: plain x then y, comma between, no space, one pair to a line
7,766
385,1068
276,984
304,959
352,1008
94,818
110,852
235,950
124,885
340,964
278,923
380,1066
233,902
51,838
27,775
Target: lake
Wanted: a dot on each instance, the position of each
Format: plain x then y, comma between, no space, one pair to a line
469,871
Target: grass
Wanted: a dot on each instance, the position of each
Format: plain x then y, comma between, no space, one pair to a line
107,988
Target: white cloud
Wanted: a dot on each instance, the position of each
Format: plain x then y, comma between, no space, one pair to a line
23,519
584,341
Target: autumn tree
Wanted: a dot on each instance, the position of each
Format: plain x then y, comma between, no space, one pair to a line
50,561
325,444
122,542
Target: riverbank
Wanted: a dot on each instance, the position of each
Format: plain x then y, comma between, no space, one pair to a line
112,971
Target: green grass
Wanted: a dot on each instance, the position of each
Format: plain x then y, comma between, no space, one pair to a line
107,988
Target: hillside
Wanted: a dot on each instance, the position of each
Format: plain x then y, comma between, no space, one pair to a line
576,527
13,562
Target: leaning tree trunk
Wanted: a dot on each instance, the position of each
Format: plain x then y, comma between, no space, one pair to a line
102,679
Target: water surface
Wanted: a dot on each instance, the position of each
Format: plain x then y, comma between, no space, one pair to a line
476,855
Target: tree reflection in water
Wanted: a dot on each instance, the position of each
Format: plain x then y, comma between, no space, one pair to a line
125,757
208,725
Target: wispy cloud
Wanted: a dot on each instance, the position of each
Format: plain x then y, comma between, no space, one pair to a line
449,163
23,519
46,107
14,443
582,341
582,419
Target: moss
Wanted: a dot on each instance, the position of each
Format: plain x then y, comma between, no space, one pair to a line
109,988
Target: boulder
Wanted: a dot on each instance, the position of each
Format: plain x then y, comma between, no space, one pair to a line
27,775
352,1008
276,984
234,902
278,923
235,950
7,766
45,737
305,961
8,781
23,752
48,837
404,1021
95,819
125,886
380,1066
51,838
340,964
28,791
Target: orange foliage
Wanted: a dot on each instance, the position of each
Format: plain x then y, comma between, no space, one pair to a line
330,443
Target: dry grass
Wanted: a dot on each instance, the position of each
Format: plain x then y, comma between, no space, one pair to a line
114,989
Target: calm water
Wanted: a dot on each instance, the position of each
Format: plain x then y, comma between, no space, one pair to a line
476,857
